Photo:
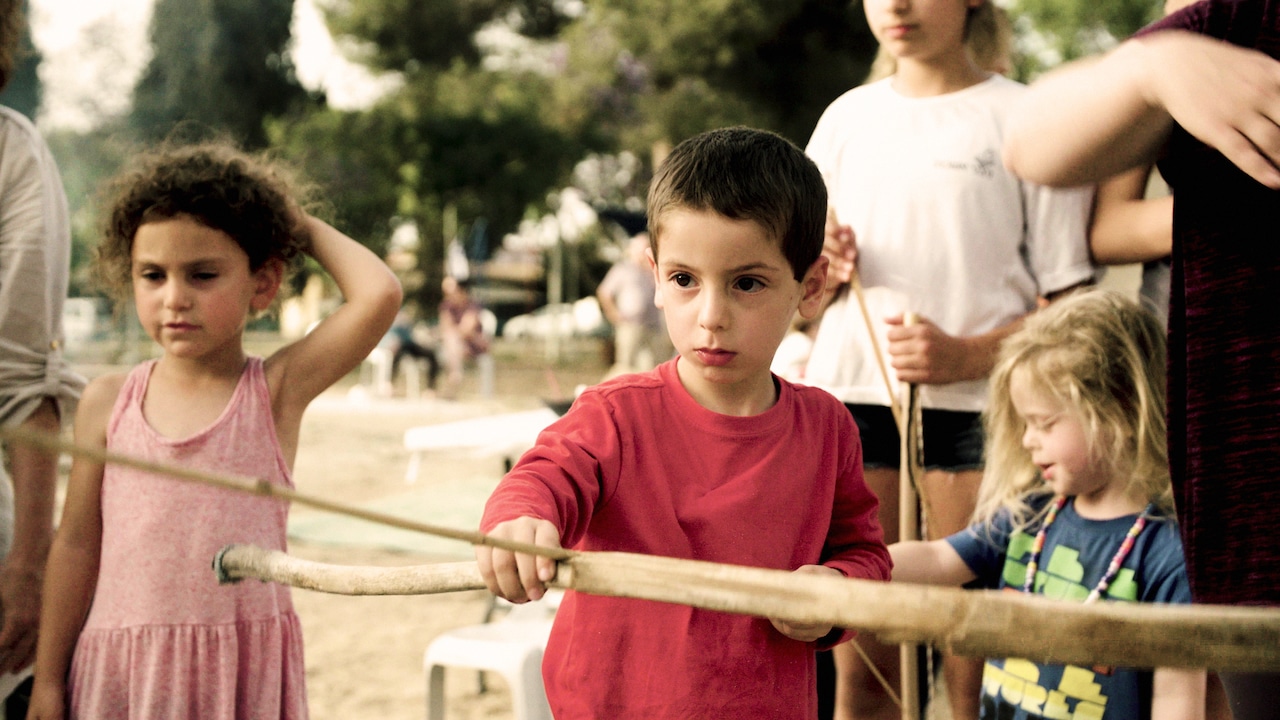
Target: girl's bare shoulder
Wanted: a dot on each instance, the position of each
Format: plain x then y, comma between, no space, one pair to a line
96,402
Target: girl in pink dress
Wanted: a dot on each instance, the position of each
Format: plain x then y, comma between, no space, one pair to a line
134,624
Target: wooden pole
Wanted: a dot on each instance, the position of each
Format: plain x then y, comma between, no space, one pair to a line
264,488
977,623
981,623
910,467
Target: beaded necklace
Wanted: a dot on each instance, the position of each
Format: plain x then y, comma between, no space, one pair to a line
1033,565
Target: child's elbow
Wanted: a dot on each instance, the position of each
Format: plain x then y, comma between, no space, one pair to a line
386,298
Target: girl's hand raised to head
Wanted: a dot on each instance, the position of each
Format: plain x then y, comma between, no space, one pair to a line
371,298
519,577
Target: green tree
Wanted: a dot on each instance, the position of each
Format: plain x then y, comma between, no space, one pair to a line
85,161
708,63
23,91
406,35
219,64
484,135
1060,30
483,153
458,145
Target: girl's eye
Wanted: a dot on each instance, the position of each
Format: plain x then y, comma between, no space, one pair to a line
682,279
204,275
749,284
151,275
1042,425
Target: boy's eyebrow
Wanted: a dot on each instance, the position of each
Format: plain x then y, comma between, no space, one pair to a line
748,267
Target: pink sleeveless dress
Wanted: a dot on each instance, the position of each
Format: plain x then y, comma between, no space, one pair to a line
163,639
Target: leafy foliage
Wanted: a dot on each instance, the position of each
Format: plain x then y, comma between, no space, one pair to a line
772,64
23,91
219,64
1072,29
407,35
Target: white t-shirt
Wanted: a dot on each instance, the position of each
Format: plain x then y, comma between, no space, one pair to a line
942,229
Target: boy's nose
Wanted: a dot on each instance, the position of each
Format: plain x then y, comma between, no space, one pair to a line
711,315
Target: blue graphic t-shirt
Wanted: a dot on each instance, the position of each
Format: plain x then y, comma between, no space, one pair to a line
1075,557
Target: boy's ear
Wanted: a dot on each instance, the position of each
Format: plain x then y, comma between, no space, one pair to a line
657,281
266,284
813,286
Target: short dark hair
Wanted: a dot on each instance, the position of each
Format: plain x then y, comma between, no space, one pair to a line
746,174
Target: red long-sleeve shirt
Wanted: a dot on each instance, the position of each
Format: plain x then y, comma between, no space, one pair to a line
637,465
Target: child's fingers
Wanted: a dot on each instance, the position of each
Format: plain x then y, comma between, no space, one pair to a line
546,535
803,632
484,562
806,632
527,567
519,577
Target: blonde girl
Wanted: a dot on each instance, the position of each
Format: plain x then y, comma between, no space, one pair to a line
1075,503
134,625
935,226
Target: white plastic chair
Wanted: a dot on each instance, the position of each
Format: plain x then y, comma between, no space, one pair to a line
484,362
511,647
375,371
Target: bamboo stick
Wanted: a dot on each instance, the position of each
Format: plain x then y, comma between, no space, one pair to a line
982,623
240,562
255,486
979,623
910,467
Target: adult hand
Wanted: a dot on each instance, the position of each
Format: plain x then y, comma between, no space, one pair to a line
20,605
519,577
806,632
1226,96
922,353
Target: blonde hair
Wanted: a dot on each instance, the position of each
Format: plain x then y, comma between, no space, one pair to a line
1102,356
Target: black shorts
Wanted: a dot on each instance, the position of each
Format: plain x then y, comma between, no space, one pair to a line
952,440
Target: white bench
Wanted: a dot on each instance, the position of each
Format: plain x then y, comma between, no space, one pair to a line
508,435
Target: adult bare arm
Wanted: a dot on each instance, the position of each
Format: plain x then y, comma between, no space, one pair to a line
1095,118
1127,228
35,476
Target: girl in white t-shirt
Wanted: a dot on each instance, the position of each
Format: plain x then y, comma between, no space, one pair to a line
934,225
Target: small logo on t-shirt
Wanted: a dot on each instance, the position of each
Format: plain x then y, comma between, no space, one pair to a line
983,164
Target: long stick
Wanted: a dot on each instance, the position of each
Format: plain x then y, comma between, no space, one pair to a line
909,469
266,489
983,623
855,284
894,405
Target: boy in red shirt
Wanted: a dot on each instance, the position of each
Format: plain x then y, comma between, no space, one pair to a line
709,457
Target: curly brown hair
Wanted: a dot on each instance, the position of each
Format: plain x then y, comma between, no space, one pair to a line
249,197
